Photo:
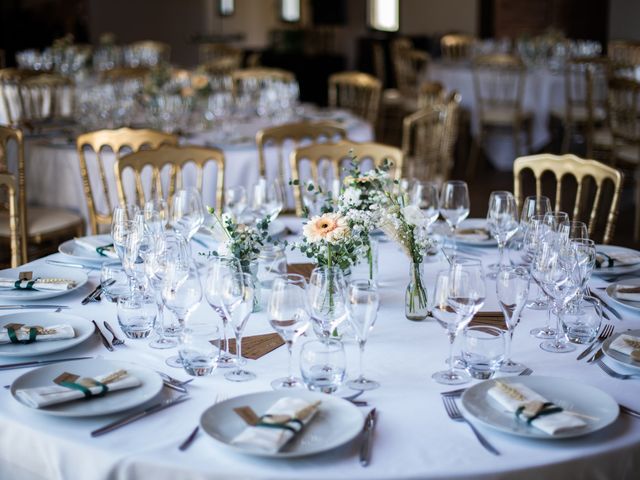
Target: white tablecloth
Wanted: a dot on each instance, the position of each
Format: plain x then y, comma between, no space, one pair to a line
543,92
414,437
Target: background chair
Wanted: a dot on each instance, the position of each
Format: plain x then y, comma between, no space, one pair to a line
97,176
456,47
171,162
590,177
10,225
356,91
326,159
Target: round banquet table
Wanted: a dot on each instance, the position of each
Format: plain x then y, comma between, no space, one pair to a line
543,94
53,170
413,439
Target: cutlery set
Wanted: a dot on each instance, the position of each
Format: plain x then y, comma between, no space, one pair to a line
605,333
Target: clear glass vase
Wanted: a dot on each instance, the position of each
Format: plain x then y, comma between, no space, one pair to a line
415,299
252,269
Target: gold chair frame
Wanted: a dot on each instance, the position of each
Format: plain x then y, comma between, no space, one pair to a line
336,154
13,77
408,64
116,140
456,46
176,157
430,93
16,238
356,91
563,165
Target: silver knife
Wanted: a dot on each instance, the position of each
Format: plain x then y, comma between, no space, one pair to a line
105,342
35,363
97,291
138,415
596,356
32,307
606,305
365,449
66,264
629,411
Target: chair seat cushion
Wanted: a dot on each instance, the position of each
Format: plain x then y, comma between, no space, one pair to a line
502,115
43,221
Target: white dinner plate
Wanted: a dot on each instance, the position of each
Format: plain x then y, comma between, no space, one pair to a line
336,423
83,329
615,271
618,357
625,303
598,407
77,276
112,402
472,232
83,255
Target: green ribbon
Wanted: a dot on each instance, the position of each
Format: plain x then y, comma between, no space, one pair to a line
282,426
548,408
101,250
608,261
33,333
87,392
29,286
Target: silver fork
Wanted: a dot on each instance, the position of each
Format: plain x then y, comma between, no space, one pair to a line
455,415
612,373
459,391
194,433
605,333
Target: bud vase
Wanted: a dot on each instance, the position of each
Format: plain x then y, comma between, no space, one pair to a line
415,300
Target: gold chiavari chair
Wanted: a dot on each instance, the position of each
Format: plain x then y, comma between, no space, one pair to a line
430,93
9,218
36,224
356,91
409,65
335,155
11,93
176,158
96,181
624,123
42,98
209,52
295,133
498,81
456,46
581,170
624,53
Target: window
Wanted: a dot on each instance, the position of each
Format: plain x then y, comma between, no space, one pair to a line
290,11
384,15
226,7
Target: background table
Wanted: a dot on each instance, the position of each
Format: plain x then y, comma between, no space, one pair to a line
414,437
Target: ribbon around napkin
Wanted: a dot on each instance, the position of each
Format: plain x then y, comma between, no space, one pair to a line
616,259
95,245
630,293
40,284
24,334
532,408
282,421
72,387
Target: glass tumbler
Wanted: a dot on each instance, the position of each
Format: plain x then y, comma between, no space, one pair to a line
482,350
114,271
323,365
198,347
137,314
581,323
272,262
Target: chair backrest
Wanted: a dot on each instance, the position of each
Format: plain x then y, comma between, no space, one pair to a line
498,81
336,154
11,97
356,91
409,65
12,141
456,46
580,169
625,53
379,63
9,201
172,159
430,93
96,189
624,114
42,96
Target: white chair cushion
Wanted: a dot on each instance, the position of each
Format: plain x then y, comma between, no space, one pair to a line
42,221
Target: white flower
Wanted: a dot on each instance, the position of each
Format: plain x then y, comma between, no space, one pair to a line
351,196
413,215
331,227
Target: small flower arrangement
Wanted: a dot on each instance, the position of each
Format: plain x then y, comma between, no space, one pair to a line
365,192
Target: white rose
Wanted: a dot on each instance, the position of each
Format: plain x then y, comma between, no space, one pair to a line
413,215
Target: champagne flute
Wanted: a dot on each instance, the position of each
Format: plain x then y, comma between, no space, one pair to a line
512,288
502,222
454,205
237,292
187,212
288,316
156,214
363,301
122,222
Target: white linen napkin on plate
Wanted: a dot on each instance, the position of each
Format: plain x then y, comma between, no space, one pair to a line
269,439
631,293
625,344
53,332
619,259
93,244
551,424
40,284
40,397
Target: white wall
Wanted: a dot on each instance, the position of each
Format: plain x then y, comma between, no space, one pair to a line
624,19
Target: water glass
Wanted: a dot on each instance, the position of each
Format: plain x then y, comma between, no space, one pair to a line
482,350
425,195
454,205
582,323
198,349
187,212
137,314
272,263
323,365
502,222
113,271
534,205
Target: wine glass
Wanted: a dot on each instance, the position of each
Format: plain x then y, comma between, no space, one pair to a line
363,301
512,288
235,201
187,212
578,230
288,316
425,195
181,294
454,205
585,250
237,291
268,199
156,214
326,297
122,223
558,223
218,269
534,205
502,222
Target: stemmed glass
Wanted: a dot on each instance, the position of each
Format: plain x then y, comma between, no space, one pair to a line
458,295
534,205
425,196
454,205
502,222
363,301
237,290
268,199
235,201
181,294
127,230
219,268
156,215
288,316
585,250
558,223
187,212
578,230
512,288
326,300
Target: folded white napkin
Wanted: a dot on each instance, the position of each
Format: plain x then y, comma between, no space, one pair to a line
40,397
94,244
630,293
269,439
54,332
550,424
40,284
616,259
625,344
